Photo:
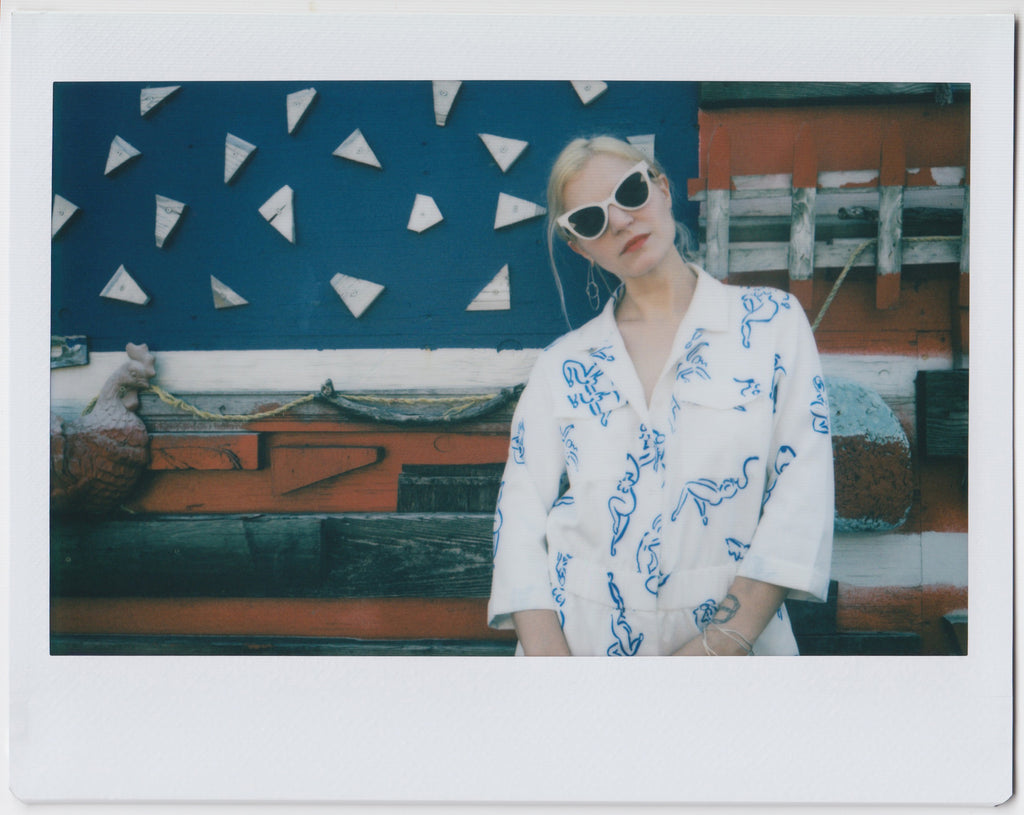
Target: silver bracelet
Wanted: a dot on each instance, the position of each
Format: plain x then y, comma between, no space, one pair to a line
732,634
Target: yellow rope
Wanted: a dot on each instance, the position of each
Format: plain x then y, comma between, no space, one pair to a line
849,265
181,404
461,404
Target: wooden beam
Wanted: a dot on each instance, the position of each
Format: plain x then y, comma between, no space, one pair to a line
716,260
801,234
961,321
406,555
295,467
204,451
892,178
376,619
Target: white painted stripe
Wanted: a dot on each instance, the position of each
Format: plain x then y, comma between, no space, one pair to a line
304,370
929,559
409,369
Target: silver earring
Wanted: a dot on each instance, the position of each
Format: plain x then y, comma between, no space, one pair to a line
593,295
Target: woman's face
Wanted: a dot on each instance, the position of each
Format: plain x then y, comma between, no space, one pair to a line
634,241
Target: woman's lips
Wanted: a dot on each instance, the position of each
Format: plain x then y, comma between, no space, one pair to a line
634,243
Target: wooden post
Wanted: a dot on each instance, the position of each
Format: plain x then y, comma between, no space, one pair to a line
961,319
892,177
716,260
801,231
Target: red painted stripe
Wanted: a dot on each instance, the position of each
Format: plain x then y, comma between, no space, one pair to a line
719,161
916,609
391,618
848,137
894,158
805,159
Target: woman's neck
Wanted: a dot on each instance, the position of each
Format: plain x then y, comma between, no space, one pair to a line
664,294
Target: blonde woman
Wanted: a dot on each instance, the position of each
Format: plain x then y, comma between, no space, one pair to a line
668,485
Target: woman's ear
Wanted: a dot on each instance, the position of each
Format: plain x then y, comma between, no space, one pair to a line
661,182
576,248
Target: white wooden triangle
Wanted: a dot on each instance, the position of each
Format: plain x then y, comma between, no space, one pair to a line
512,210
279,212
236,153
298,104
63,209
168,213
355,293
122,286
588,91
645,144
425,214
356,148
495,296
224,296
149,98
120,152
504,150
445,92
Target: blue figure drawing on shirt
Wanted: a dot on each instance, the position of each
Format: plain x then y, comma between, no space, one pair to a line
694,363
777,375
761,306
819,407
558,591
704,612
583,380
736,549
625,645
653,448
623,504
497,519
783,458
706,492
572,452
602,353
518,447
647,561
750,387
674,408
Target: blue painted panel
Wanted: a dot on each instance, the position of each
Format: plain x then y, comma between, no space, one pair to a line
350,218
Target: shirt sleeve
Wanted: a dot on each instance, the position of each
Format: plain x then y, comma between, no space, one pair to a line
529,488
792,545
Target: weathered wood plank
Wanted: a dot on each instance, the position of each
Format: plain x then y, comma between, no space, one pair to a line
891,178
185,557
204,451
771,256
454,488
730,94
406,555
942,412
370,619
83,645
371,489
295,467
717,231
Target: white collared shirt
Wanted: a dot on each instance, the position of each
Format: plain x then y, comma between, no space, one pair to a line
727,472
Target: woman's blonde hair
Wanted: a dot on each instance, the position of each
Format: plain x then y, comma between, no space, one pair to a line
570,161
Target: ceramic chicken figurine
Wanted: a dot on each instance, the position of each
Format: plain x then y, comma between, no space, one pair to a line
96,460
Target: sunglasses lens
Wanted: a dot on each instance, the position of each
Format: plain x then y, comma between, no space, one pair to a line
587,222
632,192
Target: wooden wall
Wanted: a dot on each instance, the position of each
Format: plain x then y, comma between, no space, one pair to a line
265,536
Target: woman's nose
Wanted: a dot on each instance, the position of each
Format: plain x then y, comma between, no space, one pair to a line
618,218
